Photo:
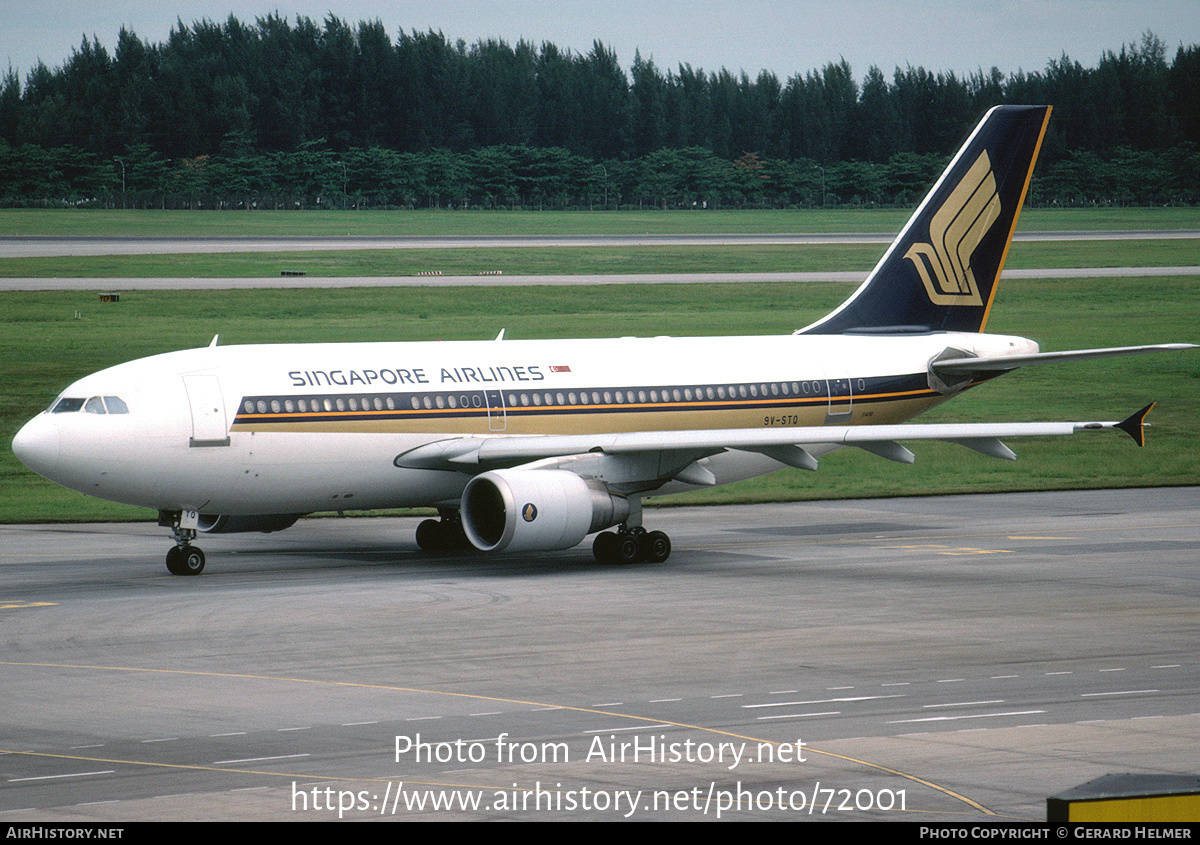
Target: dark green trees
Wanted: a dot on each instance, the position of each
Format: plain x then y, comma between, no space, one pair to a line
307,113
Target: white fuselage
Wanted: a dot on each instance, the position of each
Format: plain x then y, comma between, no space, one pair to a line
297,428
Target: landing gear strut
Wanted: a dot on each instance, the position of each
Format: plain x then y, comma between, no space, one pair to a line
443,535
631,545
183,558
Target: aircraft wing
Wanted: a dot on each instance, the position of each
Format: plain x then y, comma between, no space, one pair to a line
786,445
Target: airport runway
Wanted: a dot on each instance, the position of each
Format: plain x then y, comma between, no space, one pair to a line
950,658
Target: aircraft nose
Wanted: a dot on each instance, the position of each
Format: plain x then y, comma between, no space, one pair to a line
37,445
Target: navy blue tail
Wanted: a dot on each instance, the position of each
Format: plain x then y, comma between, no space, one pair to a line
940,274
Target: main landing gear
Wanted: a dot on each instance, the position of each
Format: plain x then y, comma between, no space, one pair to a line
443,535
631,545
183,558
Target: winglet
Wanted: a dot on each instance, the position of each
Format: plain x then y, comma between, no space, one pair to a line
1134,425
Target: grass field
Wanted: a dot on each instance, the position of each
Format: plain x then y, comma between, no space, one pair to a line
53,338
117,222
577,260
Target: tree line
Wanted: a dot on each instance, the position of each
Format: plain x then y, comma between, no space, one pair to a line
281,115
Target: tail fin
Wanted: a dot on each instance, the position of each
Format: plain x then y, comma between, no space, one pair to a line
940,273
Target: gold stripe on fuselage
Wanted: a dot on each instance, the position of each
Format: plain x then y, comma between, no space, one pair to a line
872,408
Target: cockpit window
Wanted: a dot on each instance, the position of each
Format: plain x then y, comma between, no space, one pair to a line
95,405
67,406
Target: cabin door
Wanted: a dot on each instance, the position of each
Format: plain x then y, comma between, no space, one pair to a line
209,427
497,419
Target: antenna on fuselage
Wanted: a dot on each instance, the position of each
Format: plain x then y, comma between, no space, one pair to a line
213,342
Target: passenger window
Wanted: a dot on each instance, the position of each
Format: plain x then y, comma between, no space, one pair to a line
116,405
95,405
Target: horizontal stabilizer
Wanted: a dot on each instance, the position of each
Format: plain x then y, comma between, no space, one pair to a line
1003,363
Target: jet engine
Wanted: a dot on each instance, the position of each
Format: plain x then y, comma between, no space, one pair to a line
536,510
209,523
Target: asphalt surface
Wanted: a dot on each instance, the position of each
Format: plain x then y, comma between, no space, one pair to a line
949,658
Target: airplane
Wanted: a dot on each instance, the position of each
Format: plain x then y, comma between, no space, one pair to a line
532,445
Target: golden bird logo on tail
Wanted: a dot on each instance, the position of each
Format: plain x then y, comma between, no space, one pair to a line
955,232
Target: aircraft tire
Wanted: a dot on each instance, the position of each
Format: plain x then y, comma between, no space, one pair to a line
603,547
185,560
193,561
627,549
430,536
655,547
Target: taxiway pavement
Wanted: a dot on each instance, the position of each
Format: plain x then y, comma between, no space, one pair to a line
944,658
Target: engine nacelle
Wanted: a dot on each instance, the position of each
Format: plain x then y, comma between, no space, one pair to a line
210,523
536,510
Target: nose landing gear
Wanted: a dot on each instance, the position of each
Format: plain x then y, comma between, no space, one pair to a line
183,558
